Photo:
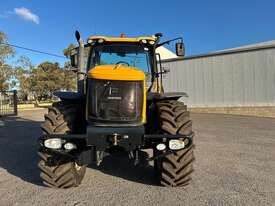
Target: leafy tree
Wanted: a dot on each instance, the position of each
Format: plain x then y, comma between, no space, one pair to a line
5,74
69,83
5,70
49,77
40,81
22,73
67,50
69,75
71,46
5,50
45,79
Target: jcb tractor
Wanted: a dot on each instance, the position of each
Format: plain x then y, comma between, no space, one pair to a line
120,105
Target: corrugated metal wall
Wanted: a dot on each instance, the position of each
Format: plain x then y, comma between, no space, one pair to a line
243,78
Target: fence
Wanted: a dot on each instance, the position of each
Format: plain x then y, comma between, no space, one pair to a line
8,103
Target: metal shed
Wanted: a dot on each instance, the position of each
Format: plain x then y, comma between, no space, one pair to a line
239,77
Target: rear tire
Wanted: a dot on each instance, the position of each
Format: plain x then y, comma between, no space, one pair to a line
57,170
174,169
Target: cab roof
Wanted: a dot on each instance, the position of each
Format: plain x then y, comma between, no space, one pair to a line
121,39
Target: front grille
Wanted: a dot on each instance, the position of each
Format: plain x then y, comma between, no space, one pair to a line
115,101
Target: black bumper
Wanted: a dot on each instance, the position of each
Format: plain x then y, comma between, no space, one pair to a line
103,137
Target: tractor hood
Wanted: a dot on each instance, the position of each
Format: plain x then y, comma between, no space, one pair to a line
116,72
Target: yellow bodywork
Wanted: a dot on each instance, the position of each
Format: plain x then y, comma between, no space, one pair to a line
120,72
116,72
121,39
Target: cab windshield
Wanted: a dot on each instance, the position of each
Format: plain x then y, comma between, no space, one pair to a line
128,54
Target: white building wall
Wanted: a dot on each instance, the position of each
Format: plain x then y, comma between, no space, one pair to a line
243,78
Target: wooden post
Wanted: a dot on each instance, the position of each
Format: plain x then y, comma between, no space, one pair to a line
15,102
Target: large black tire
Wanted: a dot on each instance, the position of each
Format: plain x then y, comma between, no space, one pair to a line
56,170
174,169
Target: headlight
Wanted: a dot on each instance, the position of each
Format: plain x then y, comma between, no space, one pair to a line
151,42
161,147
69,146
54,143
100,41
144,41
175,144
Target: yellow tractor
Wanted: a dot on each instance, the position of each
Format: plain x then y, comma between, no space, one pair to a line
120,105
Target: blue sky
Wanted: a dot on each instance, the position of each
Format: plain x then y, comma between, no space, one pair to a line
205,25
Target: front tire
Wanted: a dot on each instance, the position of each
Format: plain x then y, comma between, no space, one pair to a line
58,170
174,169
62,173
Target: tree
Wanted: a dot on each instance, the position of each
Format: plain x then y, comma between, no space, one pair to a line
22,73
69,75
45,79
69,83
5,69
71,46
67,50
40,81
49,77
5,74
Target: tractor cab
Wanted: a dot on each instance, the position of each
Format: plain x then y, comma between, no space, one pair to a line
139,52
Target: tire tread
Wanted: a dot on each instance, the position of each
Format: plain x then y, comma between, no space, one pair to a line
175,168
63,174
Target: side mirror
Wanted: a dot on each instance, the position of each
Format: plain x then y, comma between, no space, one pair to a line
74,57
180,49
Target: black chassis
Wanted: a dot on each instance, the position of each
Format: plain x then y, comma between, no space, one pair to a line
101,138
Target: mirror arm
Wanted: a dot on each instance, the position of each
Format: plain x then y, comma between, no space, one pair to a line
169,41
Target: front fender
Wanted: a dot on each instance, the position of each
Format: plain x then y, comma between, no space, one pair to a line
166,96
72,96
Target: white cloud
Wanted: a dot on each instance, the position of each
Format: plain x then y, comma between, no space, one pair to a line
27,14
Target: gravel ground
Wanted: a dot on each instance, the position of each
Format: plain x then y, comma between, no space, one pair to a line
235,165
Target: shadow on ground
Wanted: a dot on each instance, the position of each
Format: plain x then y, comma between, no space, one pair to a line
18,154
120,165
18,147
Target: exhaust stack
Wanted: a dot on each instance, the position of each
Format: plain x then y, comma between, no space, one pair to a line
81,69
